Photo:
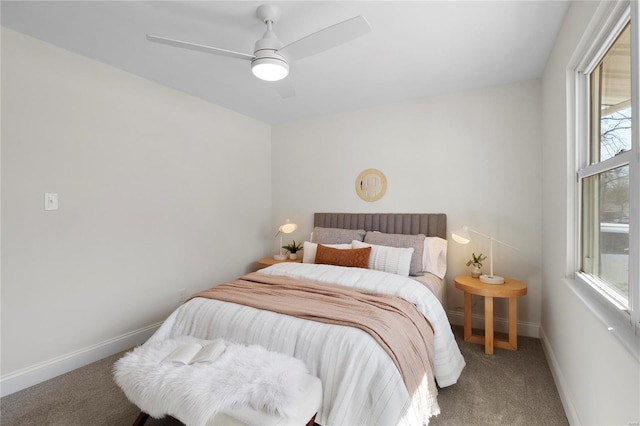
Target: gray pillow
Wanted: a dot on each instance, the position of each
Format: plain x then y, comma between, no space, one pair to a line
336,235
401,240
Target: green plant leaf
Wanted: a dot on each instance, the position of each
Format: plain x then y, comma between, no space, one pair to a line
293,247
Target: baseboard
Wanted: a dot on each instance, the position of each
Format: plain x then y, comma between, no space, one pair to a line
558,377
525,328
38,373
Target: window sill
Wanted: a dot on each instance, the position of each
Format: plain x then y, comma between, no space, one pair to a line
615,319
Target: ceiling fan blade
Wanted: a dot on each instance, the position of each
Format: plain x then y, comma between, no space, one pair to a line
199,47
285,88
327,38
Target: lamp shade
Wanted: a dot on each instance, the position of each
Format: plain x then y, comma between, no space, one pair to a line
288,228
461,235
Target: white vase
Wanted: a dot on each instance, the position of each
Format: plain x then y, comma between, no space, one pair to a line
293,256
476,271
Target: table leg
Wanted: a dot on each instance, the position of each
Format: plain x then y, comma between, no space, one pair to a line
467,316
513,323
488,325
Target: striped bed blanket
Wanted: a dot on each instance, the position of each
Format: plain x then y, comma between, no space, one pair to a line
361,382
396,324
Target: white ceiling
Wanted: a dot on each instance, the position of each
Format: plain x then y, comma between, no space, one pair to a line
415,49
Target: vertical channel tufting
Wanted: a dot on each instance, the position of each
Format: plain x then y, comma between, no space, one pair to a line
422,225
375,223
355,222
430,224
364,221
409,224
387,224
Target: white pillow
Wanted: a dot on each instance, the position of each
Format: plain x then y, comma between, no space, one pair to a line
396,260
309,253
434,257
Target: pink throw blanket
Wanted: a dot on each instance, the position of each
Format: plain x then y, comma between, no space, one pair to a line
396,324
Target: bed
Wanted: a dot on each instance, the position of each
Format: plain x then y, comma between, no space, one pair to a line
361,383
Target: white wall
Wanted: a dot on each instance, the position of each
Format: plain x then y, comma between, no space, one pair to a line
474,156
158,191
598,379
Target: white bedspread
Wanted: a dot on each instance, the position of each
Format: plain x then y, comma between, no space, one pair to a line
360,382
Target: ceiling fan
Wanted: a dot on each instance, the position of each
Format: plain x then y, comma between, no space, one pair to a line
270,59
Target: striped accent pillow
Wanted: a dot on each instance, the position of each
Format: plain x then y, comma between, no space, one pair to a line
401,240
396,260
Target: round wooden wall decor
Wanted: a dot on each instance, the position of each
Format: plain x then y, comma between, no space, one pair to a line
371,185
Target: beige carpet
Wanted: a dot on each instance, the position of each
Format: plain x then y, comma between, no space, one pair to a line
507,388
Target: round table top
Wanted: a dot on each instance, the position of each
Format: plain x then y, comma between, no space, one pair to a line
268,261
510,288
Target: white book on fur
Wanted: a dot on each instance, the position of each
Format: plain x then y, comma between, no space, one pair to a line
191,353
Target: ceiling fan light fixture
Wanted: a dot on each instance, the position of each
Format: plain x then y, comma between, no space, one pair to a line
270,58
270,68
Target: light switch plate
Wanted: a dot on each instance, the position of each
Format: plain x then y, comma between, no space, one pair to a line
50,201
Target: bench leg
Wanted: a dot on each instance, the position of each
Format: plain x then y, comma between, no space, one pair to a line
312,421
142,418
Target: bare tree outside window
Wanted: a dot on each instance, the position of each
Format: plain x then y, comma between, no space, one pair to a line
615,134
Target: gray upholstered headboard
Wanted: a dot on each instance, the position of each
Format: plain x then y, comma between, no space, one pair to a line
430,224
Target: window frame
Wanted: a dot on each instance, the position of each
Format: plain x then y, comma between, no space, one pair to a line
603,30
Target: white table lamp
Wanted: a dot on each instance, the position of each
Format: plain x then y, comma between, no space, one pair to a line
287,228
462,236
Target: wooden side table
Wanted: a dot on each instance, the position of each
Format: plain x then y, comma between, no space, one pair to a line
268,261
511,289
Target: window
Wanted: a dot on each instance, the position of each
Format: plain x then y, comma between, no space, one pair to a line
605,178
608,181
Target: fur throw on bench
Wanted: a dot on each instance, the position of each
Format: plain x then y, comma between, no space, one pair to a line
243,375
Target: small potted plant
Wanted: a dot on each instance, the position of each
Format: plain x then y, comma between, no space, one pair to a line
293,249
476,261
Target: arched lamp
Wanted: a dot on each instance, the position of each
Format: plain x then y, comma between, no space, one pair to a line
462,236
287,228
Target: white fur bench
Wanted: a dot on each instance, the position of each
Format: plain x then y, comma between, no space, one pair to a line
245,385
